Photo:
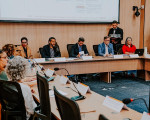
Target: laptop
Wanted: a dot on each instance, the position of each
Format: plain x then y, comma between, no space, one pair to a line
140,52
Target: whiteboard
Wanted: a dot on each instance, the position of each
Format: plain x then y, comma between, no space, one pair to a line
80,11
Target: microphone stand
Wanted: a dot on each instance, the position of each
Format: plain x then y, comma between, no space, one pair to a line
143,101
42,69
75,98
113,50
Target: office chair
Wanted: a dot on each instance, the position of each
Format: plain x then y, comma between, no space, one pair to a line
95,48
44,108
119,48
102,117
69,47
41,51
12,101
68,109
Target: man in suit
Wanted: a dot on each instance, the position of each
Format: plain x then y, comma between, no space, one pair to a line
106,48
115,30
52,49
78,48
24,50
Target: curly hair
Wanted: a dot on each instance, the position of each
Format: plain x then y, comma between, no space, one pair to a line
9,49
17,68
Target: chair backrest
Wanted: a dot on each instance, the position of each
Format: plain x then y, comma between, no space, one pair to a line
11,97
119,48
41,52
68,109
102,117
43,89
69,47
95,48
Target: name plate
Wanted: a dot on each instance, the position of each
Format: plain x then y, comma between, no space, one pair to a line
87,57
81,53
113,104
64,80
39,60
118,56
145,116
83,89
134,55
60,59
57,78
147,55
49,72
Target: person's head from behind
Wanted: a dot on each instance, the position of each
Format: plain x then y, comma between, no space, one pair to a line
52,41
128,41
9,49
107,40
114,24
17,68
24,42
81,41
3,60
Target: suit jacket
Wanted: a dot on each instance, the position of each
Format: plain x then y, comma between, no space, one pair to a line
101,49
75,50
46,51
118,31
22,53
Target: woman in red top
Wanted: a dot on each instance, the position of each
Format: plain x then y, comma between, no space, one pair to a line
128,48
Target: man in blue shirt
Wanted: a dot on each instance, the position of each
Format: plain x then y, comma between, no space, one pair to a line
106,48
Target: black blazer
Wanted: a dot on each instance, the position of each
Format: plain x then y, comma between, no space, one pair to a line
46,51
75,50
118,31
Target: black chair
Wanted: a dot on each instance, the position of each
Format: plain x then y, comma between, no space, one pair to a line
102,117
119,48
95,48
12,101
41,52
68,109
69,47
43,111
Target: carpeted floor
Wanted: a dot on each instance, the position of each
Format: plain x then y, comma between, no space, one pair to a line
121,88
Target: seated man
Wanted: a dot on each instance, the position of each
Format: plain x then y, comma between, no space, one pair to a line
52,49
106,48
78,48
24,49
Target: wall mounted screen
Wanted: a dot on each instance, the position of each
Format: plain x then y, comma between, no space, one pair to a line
68,11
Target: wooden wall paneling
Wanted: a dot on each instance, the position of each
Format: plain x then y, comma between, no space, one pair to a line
147,25
38,33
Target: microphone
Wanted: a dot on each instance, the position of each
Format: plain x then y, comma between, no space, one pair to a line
129,100
75,98
42,69
112,49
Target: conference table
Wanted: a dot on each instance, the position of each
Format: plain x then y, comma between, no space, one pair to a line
92,107
104,66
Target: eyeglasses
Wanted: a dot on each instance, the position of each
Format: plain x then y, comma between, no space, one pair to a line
23,42
107,40
4,57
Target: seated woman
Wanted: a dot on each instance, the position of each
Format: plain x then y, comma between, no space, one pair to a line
3,63
10,50
128,48
17,69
